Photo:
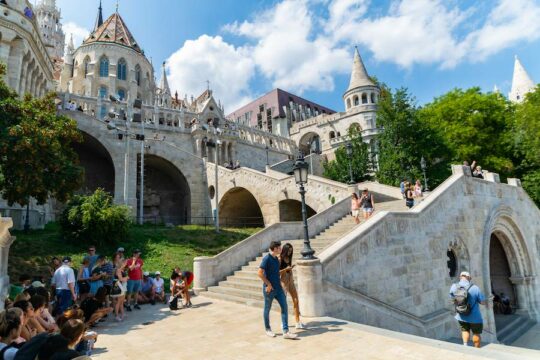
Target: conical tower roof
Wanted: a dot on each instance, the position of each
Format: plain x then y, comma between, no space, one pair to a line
521,83
359,75
113,30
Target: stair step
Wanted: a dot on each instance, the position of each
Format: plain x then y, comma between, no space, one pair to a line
513,330
249,302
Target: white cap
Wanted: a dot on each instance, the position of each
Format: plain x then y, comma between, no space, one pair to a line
465,273
146,273
157,273
120,249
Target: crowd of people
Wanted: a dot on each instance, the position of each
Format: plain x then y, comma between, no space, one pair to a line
57,321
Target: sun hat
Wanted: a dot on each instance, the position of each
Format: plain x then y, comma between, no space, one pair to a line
146,273
465,273
66,259
120,249
158,273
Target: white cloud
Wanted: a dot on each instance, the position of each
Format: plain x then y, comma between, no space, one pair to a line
228,69
79,33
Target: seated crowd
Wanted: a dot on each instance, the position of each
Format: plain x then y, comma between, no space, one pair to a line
53,322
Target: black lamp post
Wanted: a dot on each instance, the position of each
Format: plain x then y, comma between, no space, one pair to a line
349,155
267,162
301,178
423,166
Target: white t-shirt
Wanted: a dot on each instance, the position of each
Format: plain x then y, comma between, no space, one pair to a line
63,276
158,284
10,353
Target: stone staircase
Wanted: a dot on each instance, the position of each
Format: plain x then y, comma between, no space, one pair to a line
511,327
245,287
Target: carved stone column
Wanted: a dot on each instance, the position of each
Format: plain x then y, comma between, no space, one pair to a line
5,242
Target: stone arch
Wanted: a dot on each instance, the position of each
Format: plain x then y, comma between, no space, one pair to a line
364,98
310,142
355,127
291,210
167,194
99,170
373,98
463,259
238,207
356,102
332,135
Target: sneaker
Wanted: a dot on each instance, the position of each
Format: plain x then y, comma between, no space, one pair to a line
300,326
270,333
152,302
289,335
118,318
128,308
137,307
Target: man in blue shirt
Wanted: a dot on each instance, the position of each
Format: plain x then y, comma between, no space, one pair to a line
472,321
269,274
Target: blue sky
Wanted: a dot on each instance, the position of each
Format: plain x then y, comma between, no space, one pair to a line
248,47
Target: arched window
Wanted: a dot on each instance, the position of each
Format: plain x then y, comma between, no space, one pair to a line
121,70
364,98
104,67
332,135
373,98
121,94
86,66
355,127
138,75
451,263
355,101
102,92
348,103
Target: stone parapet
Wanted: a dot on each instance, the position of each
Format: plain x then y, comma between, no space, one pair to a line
310,287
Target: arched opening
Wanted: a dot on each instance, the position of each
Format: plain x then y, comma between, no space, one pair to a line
167,196
364,98
97,163
332,135
355,128
104,67
355,100
499,271
451,263
373,101
348,103
86,66
239,208
310,143
121,70
138,76
291,210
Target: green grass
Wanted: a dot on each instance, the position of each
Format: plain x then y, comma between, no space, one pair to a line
162,247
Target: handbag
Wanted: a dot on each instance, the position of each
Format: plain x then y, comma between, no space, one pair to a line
116,289
173,305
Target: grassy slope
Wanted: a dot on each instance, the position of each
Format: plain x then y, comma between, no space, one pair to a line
162,247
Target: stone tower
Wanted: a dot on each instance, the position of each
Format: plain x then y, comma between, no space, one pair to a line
362,90
521,83
48,18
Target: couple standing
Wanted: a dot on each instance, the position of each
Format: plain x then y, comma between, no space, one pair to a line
276,273
365,202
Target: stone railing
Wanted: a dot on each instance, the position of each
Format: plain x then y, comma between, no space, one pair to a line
5,242
210,270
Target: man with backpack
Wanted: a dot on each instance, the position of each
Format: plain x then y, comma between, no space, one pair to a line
467,297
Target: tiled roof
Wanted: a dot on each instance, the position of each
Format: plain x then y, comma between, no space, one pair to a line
113,30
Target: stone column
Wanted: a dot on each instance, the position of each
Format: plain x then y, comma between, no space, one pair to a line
310,288
203,268
5,242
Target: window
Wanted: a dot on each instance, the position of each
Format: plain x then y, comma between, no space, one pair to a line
121,70
102,92
332,135
348,104
364,98
138,75
86,65
373,98
259,121
355,101
104,67
261,108
121,94
451,263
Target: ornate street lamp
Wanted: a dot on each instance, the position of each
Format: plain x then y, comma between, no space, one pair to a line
301,177
423,166
349,156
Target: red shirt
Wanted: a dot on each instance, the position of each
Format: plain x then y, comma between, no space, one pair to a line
136,273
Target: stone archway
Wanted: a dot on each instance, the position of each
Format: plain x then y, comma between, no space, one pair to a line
310,142
238,207
97,163
291,210
167,195
499,270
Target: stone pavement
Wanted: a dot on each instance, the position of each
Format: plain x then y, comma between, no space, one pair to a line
215,329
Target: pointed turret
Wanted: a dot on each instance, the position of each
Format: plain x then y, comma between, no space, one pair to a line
164,84
99,19
359,75
68,59
521,83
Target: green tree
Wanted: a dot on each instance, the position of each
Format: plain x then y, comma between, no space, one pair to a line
473,126
404,140
36,159
527,143
94,219
338,169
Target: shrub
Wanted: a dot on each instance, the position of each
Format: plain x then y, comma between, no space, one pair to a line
94,219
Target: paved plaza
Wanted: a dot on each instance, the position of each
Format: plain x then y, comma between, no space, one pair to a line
216,329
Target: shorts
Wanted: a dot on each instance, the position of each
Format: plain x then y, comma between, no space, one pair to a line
122,287
355,213
367,210
476,328
133,286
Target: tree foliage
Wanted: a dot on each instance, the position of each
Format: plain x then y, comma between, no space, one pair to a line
404,140
472,126
36,159
526,130
94,219
338,169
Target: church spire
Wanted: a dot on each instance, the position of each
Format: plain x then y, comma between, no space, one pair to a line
99,20
359,75
164,84
521,83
